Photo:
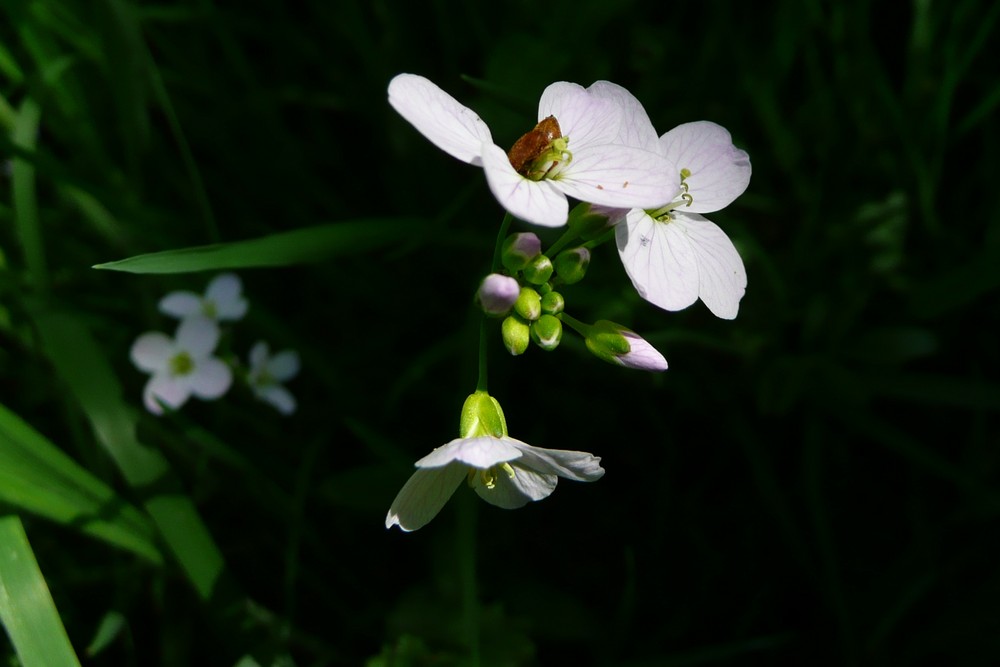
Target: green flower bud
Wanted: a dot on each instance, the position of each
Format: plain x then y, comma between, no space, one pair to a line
518,250
585,224
516,334
553,303
539,270
547,332
482,415
528,304
620,346
571,265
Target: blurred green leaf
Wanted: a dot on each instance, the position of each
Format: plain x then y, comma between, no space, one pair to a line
29,615
25,135
38,477
110,627
300,246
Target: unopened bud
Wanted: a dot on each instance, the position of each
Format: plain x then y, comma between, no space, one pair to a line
586,222
539,270
497,294
553,303
519,250
617,345
547,332
516,334
528,304
571,265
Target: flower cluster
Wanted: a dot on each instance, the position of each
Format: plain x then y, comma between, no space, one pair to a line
644,191
186,365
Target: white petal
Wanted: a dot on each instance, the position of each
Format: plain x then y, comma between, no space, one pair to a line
211,378
225,293
279,397
482,452
172,391
659,259
198,335
453,128
636,128
511,493
585,118
720,172
152,351
284,365
423,496
180,304
722,279
619,176
578,466
259,354
641,355
537,202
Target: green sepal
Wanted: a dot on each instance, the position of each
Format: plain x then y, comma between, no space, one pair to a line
516,334
547,332
553,303
482,416
585,224
539,270
571,265
528,304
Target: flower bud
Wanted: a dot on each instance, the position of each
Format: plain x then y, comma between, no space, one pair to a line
516,334
586,224
539,270
482,415
617,345
571,265
497,294
547,332
519,249
528,304
553,303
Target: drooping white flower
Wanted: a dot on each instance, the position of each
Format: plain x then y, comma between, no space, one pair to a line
504,472
674,255
223,300
267,374
181,366
580,148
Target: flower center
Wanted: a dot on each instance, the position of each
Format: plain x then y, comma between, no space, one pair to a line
542,152
488,477
208,309
181,364
685,198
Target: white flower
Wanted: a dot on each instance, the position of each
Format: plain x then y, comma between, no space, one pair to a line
181,366
267,373
580,148
673,255
504,472
223,300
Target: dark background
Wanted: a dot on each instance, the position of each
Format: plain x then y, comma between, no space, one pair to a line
814,483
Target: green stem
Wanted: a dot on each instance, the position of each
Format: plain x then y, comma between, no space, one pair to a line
600,240
501,235
575,324
568,236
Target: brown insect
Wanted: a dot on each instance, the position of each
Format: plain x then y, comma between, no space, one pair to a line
533,143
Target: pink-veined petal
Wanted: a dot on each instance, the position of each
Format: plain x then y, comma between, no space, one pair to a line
210,379
511,493
584,118
636,129
722,278
619,176
174,391
279,397
198,335
578,466
180,304
151,352
284,365
452,127
423,496
537,202
720,172
659,260
480,452
641,355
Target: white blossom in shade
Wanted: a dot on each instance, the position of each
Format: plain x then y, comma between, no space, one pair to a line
587,157
504,472
267,374
674,255
223,300
181,366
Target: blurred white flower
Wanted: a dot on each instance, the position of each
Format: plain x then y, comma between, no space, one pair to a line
267,374
223,300
181,366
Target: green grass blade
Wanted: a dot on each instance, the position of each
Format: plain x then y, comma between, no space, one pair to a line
25,135
300,246
38,477
80,362
26,607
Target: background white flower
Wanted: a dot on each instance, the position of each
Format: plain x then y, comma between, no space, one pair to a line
223,300
267,374
181,366
504,472
596,165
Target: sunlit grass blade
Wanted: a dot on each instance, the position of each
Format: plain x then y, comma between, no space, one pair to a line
300,246
38,477
26,608
87,374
